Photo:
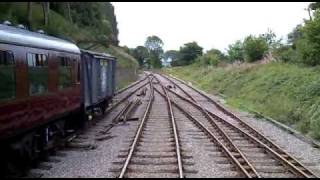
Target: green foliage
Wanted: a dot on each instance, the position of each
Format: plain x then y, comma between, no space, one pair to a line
211,59
189,52
295,35
269,36
171,56
93,22
314,6
154,46
254,48
235,51
141,54
308,45
285,53
286,92
154,43
219,54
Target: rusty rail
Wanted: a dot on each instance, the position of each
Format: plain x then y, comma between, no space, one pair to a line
244,165
211,135
125,98
175,131
138,134
131,85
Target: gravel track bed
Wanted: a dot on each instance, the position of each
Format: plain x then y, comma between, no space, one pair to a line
101,151
98,161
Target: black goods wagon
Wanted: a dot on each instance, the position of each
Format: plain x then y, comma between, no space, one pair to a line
97,81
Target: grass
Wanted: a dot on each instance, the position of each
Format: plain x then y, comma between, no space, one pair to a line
285,92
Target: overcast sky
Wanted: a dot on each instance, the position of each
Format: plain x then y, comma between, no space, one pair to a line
211,24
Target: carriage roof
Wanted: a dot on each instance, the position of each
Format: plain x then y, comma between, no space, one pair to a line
23,37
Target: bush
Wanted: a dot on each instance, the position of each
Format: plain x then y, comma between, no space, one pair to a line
308,46
308,52
235,51
285,54
208,59
254,48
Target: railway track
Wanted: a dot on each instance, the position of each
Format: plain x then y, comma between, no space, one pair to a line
155,149
183,133
97,131
263,158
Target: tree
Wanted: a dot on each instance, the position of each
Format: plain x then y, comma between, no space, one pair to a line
308,45
189,52
269,36
154,45
254,48
295,35
170,56
29,14
218,53
141,54
210,58
235,51
314,6
46,10
69,11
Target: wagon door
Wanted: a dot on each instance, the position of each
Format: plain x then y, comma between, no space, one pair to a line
103,79
89,79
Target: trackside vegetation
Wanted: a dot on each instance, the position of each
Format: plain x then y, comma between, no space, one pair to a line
263,74
285,92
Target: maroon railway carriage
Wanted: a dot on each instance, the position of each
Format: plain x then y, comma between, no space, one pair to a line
48,89
39,84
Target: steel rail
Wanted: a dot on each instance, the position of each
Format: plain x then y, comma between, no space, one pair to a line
245,166
210,134
250,170
131,85
125,98
175,131
138,133
286,160
184,91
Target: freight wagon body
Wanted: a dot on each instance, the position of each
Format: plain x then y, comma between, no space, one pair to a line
98,80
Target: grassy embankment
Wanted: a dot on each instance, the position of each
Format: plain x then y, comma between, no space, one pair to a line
285,92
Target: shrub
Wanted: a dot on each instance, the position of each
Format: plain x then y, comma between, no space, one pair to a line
208,59
285,54
254,48
308,46
235,51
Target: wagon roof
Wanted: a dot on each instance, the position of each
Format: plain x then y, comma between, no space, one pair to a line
18,36
99,55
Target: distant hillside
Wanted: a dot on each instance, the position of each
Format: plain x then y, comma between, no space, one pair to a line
91,25
83,23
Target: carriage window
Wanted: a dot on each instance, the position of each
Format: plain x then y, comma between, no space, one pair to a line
7,75
78,72
37,73
65,74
